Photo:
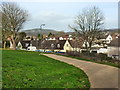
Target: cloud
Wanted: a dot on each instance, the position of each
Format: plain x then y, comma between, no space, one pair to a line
53,20
111,23
59,21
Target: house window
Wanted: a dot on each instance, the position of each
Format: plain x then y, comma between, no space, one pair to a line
26,44
58,45
52,45
67,45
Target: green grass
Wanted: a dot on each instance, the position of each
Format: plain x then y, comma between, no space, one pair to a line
105,63
22,69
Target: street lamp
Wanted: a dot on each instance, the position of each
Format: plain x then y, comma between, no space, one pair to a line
41,33
41,26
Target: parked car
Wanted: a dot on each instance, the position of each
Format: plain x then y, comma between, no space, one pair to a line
31,48
60,52
39,50
49,51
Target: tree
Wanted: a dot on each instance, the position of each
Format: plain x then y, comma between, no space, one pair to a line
50,34
39,36
5,36
21,35
89,25
13,18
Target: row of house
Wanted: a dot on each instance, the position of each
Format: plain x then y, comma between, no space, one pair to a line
45,37
62,45
114,48
56,45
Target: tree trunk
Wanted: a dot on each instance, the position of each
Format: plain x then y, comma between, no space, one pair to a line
11,45
4,44
14,45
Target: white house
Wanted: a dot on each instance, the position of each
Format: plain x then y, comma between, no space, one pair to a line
71,45
65,37
67,46
109,39
19,45
114,48
85,43
31,48
102,50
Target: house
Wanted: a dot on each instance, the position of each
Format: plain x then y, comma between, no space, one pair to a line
102,50
61,45
114,48
51,45
55,45
24,44
108,39
51,38
65,37
73,45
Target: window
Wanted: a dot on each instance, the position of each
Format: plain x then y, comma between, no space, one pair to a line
26,44
67,45
58,45
52,45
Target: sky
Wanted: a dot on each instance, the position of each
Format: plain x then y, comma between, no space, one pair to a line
58,15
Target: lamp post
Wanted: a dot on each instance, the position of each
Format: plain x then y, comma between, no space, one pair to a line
41,33
41,28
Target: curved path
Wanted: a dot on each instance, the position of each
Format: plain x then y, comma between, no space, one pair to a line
100,76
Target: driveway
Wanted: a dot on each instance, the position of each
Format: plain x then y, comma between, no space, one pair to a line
100,76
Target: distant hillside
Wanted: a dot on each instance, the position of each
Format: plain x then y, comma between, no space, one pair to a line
35,32
111,30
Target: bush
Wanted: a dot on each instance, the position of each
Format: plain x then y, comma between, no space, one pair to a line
91,56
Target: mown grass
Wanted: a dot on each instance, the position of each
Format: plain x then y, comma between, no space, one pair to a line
100,62
22,69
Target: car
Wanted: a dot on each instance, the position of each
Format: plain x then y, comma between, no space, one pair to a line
37,50
60,52
31,48
49,51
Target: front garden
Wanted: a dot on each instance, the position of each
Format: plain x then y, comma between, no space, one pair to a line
93,57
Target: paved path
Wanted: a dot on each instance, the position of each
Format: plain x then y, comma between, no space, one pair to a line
100,76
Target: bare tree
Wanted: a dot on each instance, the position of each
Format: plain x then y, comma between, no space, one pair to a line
88,25
13,18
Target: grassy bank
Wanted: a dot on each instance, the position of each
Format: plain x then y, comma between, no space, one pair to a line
22,69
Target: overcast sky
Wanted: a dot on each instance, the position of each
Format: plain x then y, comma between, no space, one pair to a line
58,15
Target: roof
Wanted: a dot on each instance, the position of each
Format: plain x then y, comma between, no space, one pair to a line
76,43
36,43
47,44
115,42
26,43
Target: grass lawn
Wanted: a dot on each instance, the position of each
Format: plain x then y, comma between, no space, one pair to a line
22,69
105,63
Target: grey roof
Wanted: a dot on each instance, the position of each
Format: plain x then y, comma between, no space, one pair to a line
46,44
24,42
76,43
36,43
115,42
